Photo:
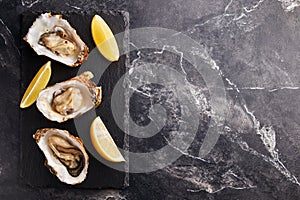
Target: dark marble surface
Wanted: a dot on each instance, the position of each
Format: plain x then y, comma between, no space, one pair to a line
253,44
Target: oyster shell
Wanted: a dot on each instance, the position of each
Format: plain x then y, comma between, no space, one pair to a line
65,154
52,36
69,99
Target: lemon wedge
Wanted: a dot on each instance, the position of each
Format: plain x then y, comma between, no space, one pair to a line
38,83
104,39
103,142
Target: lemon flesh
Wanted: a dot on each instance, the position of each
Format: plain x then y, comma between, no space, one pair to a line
103,142
104,39
38,83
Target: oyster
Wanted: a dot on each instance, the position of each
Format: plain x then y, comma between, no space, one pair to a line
52,36
65,154
69,99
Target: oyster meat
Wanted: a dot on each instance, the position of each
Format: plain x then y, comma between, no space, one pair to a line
69,99
52,36
65,154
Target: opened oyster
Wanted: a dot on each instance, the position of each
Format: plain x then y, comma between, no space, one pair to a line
65,154
69,99
52,36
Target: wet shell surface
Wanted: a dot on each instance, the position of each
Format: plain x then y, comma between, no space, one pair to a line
69,99
65,154
52,36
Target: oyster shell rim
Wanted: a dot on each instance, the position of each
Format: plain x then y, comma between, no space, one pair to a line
42,132
95,95
82,55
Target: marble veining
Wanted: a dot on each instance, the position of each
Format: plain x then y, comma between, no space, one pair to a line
29,3
252,45
234,12
289,5
266,133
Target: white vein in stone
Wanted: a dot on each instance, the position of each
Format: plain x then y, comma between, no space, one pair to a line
267,137
72,6
222,188
268,63
175,49
227,17
4,38
207,58
11,49
228,6
183,152
275,162
268,141
138,54
29,3
265,88
7,29
206,185
232,84
289,5
284,88
254,7
139,91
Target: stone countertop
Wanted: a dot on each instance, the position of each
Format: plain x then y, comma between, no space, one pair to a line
252,45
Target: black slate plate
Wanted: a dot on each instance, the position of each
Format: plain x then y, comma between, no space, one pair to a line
33,170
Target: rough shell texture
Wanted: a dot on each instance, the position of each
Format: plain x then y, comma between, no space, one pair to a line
52,162
47,23
90,93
